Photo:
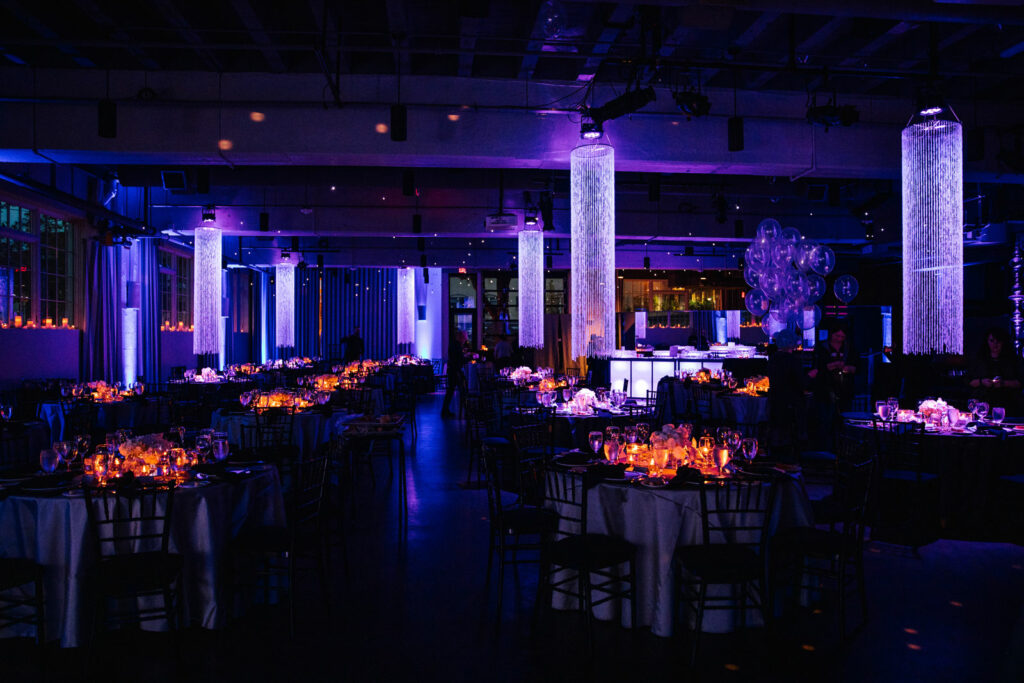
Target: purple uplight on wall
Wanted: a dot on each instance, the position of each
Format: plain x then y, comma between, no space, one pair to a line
284,307
593,250
206,291
531,289
933,243
406,304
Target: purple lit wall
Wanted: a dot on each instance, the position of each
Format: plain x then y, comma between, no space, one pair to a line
531,289
933,244
593,250
406,332
284,311
206,291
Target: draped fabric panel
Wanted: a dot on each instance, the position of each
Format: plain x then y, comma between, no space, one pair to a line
101,357
359,297
149,309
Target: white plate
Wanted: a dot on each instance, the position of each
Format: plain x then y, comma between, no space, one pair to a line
74,493
193,484
653,483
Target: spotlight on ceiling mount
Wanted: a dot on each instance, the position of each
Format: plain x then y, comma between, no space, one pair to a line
930,102
285,256
591,130
832,115
692,103
209,214
627,103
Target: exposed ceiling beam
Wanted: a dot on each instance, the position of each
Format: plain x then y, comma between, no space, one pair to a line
399,27
859,58
469,28
613,26
946,43
95,12
173,17
37,26
813,42
259,35
533,47
752,33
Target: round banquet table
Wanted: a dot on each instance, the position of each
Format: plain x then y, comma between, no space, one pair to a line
311,428
967,466
657,521
127,414
20,443
53,531
571,430
739,408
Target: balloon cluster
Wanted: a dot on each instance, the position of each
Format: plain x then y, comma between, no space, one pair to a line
787,273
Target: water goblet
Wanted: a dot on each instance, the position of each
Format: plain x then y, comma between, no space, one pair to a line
982,409
65,390
630,432
972,406
140,388
595,439
48,460
749,447
894,407
882,409
611,433
722,458
567,394
611,451
62,448
998,414
733,441
220,449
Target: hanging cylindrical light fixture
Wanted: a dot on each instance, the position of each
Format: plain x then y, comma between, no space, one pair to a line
593,250
531,289
1017,297
406,307
933,241
284,305
206,291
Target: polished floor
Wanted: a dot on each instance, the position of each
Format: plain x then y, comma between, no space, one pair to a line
415,605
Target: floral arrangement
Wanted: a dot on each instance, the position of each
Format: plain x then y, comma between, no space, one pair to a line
148,448
549,384
755,385
521,374
298,362
281,398
243,369
103,392
406,359
932,409
207,375
365,367
584,398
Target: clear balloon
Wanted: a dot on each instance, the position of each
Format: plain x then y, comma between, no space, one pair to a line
797,287
804,254
758,256
816,287
790,236
810,317
769,283
756,302
751,276
769,228
782,254
823,260
846,288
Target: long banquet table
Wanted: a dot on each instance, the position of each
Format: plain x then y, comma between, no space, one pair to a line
657,521
53,531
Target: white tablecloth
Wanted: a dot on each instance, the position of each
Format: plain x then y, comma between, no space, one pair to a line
657,522
130,414
310,430
53,531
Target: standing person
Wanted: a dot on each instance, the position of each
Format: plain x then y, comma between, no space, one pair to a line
832,381
786,403
994,375
456,359
354,346
502,352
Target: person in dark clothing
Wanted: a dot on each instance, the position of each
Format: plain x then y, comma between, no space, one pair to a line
786,403
832,381
994,375
354,346
456,359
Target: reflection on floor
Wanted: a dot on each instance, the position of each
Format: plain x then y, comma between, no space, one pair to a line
415,607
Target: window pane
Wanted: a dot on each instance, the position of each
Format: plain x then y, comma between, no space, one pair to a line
56,261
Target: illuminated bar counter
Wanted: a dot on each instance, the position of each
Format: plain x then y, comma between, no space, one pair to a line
645,371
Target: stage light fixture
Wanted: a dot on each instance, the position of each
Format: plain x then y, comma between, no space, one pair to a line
692,103
591,130
626,103
832,115
209,214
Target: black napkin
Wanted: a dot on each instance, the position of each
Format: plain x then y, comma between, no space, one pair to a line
46,481
609,470
685,475
573,458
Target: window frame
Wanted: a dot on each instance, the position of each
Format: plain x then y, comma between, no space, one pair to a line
174,271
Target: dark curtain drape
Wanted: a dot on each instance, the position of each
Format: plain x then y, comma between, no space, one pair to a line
101,357
149,310
260,303
363,297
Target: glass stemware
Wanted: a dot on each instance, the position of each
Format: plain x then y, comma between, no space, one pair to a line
998,414
643,432
48,460
972,406
982,409
596,439
883,410
749,447
631,433
220,448
894,407
62,448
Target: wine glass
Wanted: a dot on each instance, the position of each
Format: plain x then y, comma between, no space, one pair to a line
567,394
65,390
180,431
73,452
595,439
749,447
894,407
6,411
643,432
883,410
998,414
733,441
84,441
62,448
611,433
982,409
631,433
611,450
972,406
722,458
220,448
140,388
48,460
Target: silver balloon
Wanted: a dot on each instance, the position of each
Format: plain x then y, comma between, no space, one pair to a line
846,288
769,228
823,260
